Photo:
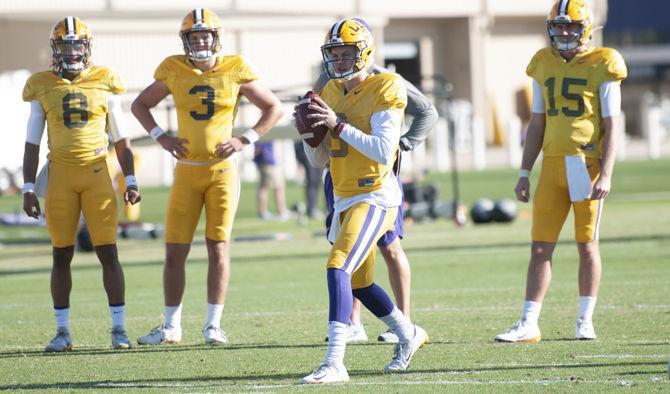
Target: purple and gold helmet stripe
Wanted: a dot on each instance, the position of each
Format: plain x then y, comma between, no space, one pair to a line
563,8
70,26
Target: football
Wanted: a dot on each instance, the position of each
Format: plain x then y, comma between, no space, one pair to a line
311,135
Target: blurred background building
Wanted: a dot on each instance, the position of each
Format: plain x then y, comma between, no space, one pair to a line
473,52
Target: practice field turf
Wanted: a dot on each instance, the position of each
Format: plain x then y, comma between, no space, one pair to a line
467,286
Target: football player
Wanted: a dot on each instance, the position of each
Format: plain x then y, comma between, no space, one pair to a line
206,87
424,115
364,113
575,113
79,102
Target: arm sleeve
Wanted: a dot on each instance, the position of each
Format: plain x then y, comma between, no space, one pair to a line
424,117
116,122
320,156
610,99
382,143
538,99
35,123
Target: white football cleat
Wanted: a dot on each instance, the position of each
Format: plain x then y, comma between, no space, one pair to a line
521,331
355,333
62,342
327,373
120,338
161,334
388,336
214,335
404,351
584,330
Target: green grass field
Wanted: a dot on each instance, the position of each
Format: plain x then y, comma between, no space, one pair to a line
468,285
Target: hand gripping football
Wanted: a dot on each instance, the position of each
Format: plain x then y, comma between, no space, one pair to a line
311,135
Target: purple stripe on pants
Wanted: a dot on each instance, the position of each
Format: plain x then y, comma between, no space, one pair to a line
361,234
371,240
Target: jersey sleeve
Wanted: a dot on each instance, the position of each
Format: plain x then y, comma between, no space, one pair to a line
393,95
29,90
244,72
116,86
532,69
163,72
615,67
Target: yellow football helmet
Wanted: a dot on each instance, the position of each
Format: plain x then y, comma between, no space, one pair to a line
348,32
566,13
201,20
70,45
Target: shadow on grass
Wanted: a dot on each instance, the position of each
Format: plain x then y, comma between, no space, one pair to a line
320,255
252,381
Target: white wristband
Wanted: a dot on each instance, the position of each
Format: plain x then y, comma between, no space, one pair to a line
28,187
251,135
524,173
131,181
156,132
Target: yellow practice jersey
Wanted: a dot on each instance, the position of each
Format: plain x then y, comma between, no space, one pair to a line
206,101
76,112
571,97
354,173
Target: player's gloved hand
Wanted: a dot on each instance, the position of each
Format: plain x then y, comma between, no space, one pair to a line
174,145
132,195
31,205
522,189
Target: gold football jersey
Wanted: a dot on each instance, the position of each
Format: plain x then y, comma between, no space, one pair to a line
571,97
354,173
206,102
76,112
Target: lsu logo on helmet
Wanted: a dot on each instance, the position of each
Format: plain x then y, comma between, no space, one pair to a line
201,20
565,14
348,32
70,45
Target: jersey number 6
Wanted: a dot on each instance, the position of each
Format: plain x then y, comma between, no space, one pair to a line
80,111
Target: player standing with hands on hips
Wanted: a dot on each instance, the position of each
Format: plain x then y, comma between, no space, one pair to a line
575,115
206,87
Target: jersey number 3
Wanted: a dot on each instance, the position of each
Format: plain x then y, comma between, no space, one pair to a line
208,101
565,92
75,117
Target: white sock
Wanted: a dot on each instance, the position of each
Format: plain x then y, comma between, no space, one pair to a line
586,307
337,342
118,315
214,312
62,318
531,312
400,324
173,316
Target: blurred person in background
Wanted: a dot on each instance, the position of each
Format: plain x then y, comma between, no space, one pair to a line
269,177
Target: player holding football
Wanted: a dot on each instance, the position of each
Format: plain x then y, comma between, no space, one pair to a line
78,101
206,87
364,113
424,115
576,106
